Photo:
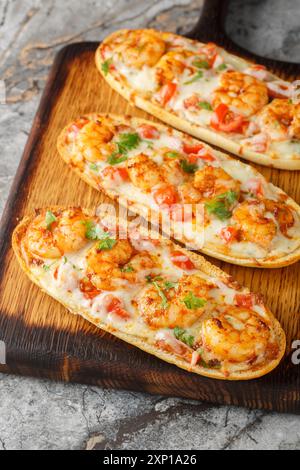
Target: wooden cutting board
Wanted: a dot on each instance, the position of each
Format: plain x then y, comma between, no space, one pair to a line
42,338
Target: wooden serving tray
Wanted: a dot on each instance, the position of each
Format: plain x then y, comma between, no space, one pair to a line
42,338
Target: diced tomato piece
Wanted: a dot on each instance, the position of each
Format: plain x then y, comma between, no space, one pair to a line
88,289
147,131
115,306
182,261
103,50
167,92
226,121
118,175
210,50
55,274
229,234
192,148
165,195
245,300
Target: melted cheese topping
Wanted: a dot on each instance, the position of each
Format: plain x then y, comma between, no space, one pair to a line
62,279
207,236
143,80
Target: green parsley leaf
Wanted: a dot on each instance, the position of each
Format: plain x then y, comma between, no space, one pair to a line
106,243
192,302
172,154
93,231
114,159
182,335
188,167
49,219
205,105
105,66
201,64
170,285
220,206
127,142
127,269
164,300
93,167
46,267
221,67
196,77
65,259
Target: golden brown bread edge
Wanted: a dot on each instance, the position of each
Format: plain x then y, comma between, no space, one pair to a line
195,130
140,209
202,265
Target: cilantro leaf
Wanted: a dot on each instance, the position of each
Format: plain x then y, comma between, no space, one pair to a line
196,77
164,300
127,142
49,219
193,302
93,231
127,269
105,66
93,167
114,159
188,167
172,154
201,64
170,285
221,205
205,105
106,243
182,335
222,67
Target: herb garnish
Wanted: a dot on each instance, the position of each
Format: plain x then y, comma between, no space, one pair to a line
205,105
127,269
221,205
49,219
107,243
196,77
192,302
200,64
184,336
105,66
127,142
188,167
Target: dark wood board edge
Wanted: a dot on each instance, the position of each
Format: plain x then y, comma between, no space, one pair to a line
51,93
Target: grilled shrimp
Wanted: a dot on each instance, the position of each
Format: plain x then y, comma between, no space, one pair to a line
282,214
171,65
107,268
139,47
211,181
173,312
253,224
144,172
188,194
243,93
65,234
94,140
236,335
173,172
280,119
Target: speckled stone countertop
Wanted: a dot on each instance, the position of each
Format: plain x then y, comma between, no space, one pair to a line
38,414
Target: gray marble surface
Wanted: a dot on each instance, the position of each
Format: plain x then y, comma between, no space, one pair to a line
38,414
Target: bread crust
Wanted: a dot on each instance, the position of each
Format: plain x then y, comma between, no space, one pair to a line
142,344
200,132
141,210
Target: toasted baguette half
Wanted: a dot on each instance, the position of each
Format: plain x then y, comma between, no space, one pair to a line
203,267
273,157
